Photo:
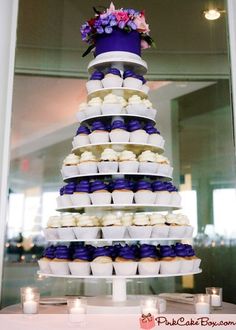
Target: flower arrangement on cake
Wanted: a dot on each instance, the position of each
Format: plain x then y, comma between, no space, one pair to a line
113,28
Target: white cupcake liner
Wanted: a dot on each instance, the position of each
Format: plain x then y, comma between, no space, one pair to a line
163,198
149,267
136,109
80,140
177,231
113,232
100,198
80,198
99,137
163,169
93,110
175,198
50,233
196,264
80,115
151,113
59,267
112,82
139,136
132,83
101,269
122,197
186,266
68,171
86,232
111,108
189,232
80,268
128,166
108,167
155,139
119,135
64,201
145,88
87,167
140,231
66,233
145,197
147,167
44,266
93,85
170,267
125,268
161,231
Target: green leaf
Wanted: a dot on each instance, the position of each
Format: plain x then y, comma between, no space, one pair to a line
88,50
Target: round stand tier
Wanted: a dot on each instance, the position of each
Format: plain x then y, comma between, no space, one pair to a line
118,175
122,91
119,60
135,147
108,118
124,239
115,207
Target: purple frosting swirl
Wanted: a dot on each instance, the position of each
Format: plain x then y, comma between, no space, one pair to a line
69,188
97,75
118,124
62,190
127,252
98,126
114,250
49,252
114,71
150,129
121,184
143,185
83,130
148,251
62,252
82,186
128,73
98,185
141,78
134,125
82,253
158,186
167,251
101,252
189,250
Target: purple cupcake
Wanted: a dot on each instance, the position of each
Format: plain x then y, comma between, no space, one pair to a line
80,266
122,193
95,81
137,133
112,79
82,136
144,193
59,265
99,193
131,80
126,262
154,136
99,133
101,264
81,194
119,131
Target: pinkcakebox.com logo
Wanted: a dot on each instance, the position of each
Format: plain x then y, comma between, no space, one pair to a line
149,322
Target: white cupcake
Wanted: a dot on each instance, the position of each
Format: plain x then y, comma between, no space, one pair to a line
59,267
87,227
108,161
66,231
147,162
102,266
111,105
136,106
88,163
125,268
133,83
148,267
112,79
163,165
127,219
140,227
79,268
70,168
170,265
112,227
159,229
176,228
93,107
149,111
128,162
53,223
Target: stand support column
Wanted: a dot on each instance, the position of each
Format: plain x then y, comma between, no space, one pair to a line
119,289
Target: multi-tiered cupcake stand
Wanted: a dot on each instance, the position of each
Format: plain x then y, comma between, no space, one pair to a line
121,61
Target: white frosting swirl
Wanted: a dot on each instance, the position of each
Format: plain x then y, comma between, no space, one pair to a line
111,99
182,219
71,159
135,99
122,101
147,103
68,221
157,219
127,219
147,156
87,221
95,101
162,159
111,220
141,220
127,155
109,154
87,156
83,106
54,222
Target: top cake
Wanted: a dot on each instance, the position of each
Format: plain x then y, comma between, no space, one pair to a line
123,30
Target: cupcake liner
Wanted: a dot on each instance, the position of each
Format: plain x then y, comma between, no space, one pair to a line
177,231
50,233
151,113
125,268
93,85
145,88
108,167
119,135
163,169
140,231
186,266
139,136
163,198
147,167
113,232
170,267
64,201
66,233
101,198
99,137
68,171
148,268
87,232
112,82
175,199
88,167
80,115
189,232
144,197
101,269
160,231
44,266
80,140
136,109
132,83
122,197
155,139
80,268
93,110
111,108
196,264
80,198
59,267
128,166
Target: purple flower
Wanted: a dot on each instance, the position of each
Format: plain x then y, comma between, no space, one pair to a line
97,23
100,30
132,25
105,22
113,23
121,24
108,29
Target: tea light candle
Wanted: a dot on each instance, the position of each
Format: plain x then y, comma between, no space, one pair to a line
30,306
202,304
149,306
215,300
77,306
216,296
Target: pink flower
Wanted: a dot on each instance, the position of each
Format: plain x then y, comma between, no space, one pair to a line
142,26
144,44
121,16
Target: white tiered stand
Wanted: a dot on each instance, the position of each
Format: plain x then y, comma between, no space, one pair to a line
119,302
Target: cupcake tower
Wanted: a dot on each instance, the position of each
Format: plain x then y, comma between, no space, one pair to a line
116,165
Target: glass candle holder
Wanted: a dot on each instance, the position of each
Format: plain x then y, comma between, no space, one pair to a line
77,305
30,302
216,297
149,305
202,303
